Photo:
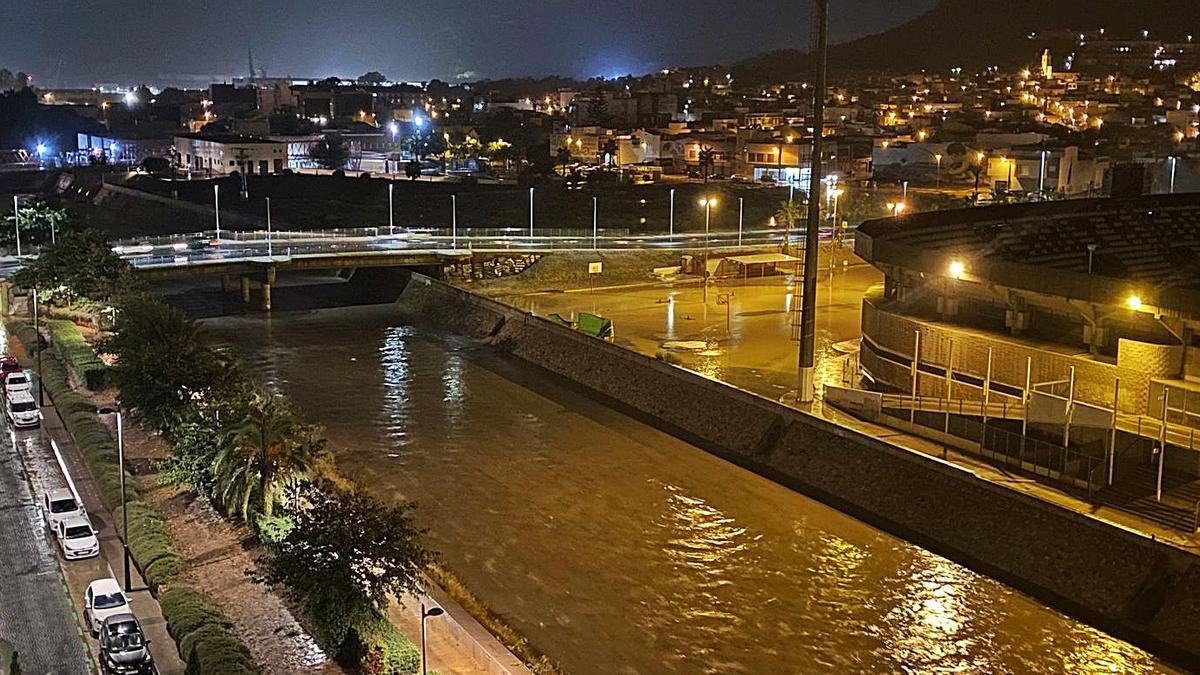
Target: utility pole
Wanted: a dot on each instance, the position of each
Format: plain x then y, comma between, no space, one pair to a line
808,300
17,224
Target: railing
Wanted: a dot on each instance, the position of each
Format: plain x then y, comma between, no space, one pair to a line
200,247
1030,454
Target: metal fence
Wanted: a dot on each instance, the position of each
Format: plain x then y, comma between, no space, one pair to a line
1066,464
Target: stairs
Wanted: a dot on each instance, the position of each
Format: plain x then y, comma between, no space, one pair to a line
1134,493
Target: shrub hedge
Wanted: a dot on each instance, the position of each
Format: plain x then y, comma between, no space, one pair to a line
381,648
217,651
78,353
203,634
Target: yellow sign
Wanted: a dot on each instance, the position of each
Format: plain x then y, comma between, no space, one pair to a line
595,267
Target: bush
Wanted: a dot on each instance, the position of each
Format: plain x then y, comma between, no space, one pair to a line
187,610
164,570
79,354
212,650
376,646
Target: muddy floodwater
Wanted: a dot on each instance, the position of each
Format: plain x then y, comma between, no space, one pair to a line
618,549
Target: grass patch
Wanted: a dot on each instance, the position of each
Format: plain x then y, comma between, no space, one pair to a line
507,635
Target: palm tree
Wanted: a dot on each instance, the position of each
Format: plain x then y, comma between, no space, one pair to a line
263,454
789,214
708,159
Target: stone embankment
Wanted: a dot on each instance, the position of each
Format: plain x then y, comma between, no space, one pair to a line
1139,589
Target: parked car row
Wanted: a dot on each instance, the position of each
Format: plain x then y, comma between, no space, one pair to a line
20,408
124,649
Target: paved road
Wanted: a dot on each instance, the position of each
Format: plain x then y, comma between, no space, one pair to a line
179,250
36,614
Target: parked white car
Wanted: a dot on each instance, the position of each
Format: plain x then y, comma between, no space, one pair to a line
14,382
59,505
102,600
21,410
77,538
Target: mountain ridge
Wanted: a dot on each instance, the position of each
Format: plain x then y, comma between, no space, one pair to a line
963,33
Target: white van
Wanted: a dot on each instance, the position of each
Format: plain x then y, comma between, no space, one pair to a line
21,410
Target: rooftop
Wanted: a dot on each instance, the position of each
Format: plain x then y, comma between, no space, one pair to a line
1147,244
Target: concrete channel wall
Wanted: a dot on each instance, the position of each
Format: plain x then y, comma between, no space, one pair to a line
1127,584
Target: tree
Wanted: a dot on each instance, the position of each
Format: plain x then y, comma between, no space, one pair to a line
163,371
563,158
39,223
80,265
330,153
708,161
346,552
597,107
789,214
373,77
263,454
7,79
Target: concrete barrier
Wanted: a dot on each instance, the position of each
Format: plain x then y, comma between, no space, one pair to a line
1127,584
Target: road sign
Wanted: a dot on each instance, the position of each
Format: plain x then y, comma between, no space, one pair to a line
595,268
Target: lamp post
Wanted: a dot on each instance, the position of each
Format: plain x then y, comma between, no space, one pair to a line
671,225
808,299
124,509
740,214
217,208
270,250
1042,173
391,211
531,214
938,157
595,220
425,614
707,203
37,333
17,224
454,221
1171,187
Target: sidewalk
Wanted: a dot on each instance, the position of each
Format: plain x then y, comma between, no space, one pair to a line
45,473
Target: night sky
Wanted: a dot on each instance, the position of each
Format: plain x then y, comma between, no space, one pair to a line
81,42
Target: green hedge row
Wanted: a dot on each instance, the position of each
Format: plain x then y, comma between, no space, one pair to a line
149,540
203,634
381,648
78,353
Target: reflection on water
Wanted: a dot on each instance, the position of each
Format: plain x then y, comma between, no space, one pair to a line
618,549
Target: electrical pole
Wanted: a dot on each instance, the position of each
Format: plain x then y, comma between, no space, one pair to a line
808,300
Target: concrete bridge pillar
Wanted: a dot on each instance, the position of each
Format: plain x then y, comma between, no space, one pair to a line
245,289
268,280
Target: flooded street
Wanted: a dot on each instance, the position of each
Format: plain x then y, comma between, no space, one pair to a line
618,549
743,334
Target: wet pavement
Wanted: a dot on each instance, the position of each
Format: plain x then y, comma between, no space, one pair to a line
742,334
36,615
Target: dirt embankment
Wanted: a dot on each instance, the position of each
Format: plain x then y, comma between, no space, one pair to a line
223,561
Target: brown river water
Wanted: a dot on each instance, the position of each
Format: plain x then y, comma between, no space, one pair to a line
616,548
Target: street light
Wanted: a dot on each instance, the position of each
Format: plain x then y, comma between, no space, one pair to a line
217,208
957,269
425,614
531,213
671,226
1134,302
938,156
707,203
124,509
454,221
270,251
17,224
391,211
595,220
